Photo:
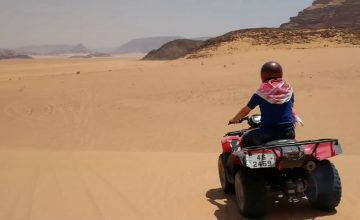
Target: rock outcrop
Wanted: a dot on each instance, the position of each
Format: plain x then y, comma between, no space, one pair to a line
174,50
328,13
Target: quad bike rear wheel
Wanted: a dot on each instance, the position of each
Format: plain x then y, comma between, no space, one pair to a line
226,186
250,193
324,190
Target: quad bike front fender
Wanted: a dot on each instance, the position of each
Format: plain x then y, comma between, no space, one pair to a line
231,143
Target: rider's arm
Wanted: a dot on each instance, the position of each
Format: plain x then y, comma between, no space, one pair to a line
254,101
243,112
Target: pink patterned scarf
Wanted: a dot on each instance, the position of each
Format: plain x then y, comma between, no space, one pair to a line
275,91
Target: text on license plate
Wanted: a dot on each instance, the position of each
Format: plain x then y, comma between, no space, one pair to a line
260,160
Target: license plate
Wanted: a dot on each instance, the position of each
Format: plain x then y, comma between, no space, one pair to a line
260,160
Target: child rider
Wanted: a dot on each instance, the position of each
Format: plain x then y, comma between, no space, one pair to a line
276,99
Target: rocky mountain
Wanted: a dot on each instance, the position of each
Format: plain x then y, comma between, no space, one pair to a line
11,54
328,13
174,49
54,49
144,45
327,23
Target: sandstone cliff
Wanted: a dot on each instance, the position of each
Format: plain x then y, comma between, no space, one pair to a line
328,13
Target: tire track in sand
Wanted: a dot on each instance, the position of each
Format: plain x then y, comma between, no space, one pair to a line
107,199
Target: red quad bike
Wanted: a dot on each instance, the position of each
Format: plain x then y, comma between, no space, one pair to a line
295,168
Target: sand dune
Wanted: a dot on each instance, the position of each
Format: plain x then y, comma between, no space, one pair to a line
129,139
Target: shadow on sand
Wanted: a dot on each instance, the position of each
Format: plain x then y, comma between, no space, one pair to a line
277,207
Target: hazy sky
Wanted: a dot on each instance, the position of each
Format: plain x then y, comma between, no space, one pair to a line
109,23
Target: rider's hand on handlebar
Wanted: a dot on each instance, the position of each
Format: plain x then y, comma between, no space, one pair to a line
232,121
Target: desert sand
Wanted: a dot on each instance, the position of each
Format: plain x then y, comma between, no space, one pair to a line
119,138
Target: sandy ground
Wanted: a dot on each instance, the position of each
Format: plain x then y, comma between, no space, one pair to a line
129,139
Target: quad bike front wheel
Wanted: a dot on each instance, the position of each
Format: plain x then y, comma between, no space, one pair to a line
226,186
250,193
324,190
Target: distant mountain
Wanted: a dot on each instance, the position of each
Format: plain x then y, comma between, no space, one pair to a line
328,13
11,54
174,49
79,48
91,55
144,45
55,49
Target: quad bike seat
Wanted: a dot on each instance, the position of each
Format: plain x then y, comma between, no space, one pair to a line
281,141
274,143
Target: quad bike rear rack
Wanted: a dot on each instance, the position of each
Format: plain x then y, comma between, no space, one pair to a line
290,153
297,144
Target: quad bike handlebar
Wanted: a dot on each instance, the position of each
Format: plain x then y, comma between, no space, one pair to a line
254,121
240,121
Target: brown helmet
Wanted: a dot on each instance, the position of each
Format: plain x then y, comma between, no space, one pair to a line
271,70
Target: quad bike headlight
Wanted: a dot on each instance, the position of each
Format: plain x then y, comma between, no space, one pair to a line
254,121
